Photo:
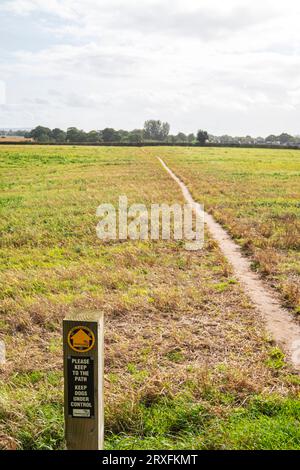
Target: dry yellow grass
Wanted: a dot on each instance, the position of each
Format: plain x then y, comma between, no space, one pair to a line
255,194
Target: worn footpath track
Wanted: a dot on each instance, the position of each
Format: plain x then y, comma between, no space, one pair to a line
279,322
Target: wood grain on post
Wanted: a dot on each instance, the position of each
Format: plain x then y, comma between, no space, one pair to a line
83,335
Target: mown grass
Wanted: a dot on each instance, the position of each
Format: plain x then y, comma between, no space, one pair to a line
188,363
255,194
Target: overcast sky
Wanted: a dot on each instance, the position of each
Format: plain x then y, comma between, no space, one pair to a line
229,66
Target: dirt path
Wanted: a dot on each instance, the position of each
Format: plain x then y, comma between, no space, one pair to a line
279,321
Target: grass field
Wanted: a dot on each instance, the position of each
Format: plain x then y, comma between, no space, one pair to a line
188,363
255,195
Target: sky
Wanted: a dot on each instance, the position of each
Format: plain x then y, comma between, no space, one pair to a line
230,66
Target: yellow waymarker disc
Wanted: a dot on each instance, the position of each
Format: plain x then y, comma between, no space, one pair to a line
81,339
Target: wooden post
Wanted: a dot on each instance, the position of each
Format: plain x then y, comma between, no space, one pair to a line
83,380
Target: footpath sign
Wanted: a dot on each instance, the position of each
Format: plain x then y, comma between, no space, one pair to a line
83,381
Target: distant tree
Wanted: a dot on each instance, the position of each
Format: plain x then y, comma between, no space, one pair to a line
41,134
181,137
249,139
202,137
110,135
11,132
43,138
135,136
19,133
226,139
297,139
58,135
191,138
213,138
271,138
123,135
93,137
285,138
156,130
75,135
172,139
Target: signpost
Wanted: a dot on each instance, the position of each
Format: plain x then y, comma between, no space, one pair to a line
83,385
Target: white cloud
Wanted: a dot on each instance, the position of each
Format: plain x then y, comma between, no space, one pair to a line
231,66
2,92
54,7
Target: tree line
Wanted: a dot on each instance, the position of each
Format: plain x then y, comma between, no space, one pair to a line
283,139
153,131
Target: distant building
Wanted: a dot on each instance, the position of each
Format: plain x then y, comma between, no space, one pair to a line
15,138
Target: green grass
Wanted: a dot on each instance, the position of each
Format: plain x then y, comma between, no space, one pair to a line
179,423
187,362
37,397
